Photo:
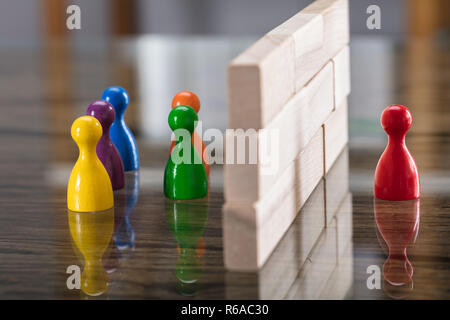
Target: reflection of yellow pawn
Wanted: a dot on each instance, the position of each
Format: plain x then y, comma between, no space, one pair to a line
89,187
92,232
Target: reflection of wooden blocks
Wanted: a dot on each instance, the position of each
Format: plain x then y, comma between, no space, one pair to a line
341,280
305,257
291,84
337,185
328,272
287,259
344,219
317,269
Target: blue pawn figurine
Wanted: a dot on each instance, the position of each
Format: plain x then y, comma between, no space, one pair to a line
120,134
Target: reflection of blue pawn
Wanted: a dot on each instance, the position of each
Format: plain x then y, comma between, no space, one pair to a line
125,235
120,134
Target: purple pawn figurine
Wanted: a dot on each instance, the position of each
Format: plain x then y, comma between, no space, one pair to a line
106,151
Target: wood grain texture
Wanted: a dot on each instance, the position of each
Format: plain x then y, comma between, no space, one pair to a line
260,81
335,134
241,178
289,256
336,35
341,67
306,30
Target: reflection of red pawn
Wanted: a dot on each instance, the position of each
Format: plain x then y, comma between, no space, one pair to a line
396,176
398,224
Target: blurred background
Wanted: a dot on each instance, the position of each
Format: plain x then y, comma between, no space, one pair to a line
155,48
28,20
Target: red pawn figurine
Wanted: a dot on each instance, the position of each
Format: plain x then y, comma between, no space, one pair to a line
396,176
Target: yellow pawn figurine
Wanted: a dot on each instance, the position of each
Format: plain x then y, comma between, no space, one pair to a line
92,232
89,187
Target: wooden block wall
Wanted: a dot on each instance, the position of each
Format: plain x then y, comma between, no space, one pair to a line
293,82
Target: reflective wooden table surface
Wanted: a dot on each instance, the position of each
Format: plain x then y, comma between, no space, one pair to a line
152,248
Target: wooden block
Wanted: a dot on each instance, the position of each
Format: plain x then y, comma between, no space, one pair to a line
341,65
306,30
299,122
335,134
271,216
296,183
294,126
335,36
285,82
286,259
241,179
336,185
317,269
264,77
260,82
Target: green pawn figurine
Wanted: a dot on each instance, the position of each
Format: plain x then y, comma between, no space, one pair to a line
185,175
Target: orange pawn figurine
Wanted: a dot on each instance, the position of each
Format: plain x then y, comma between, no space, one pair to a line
190,99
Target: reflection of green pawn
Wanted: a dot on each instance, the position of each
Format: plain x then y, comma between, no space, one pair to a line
185,175
187,222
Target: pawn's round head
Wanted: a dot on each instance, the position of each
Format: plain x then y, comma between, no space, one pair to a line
183,117
118,97
104,112
86,131
186,98
396,119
